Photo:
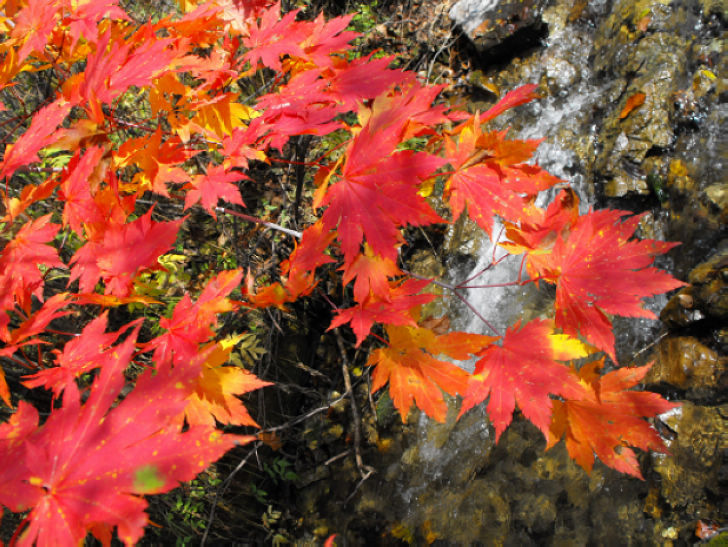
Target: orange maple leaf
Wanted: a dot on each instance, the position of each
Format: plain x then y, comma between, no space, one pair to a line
415,374
605,419
30,194
536,234
371,275
33,25
215,395
159,162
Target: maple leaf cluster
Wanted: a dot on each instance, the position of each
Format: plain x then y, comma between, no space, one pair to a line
87,466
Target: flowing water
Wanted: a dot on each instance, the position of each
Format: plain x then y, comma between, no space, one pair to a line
490,499
451,483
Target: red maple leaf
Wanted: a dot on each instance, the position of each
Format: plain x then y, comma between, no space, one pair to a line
602,270
606,419
84,353
302,106
365,78
326,37
273,38
20,277
378,190
515,97
36,323
191,323
241,146
79,206
213,186
38,135
415,374
87,465
524,370
489,176
84,20
391,309
121,252
116,65
24,333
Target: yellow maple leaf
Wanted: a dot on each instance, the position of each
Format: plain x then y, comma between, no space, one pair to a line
215,397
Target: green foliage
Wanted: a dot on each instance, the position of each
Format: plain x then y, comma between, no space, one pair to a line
365,18
187,508
280,470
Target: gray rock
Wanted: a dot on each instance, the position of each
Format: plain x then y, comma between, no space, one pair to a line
488,22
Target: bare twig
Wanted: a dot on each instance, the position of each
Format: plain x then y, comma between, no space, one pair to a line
304,417
476,312
364,470
456,291
223,487
648,346
358,485
272,225
337,457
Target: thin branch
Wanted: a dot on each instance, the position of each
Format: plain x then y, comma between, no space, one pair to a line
492,285
303,417
477,313
337,457
455,290
481,272
272,225
364,470
223,487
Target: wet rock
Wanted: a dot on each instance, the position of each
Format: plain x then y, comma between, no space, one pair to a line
718,195
691,475
707,295
681,311
538,513
479,511
488,23
710,283
685,363
615,513
714,7
639,48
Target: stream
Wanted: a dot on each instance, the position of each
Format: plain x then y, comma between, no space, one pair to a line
451,484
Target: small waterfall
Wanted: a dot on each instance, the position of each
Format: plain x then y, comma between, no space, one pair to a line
563,120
